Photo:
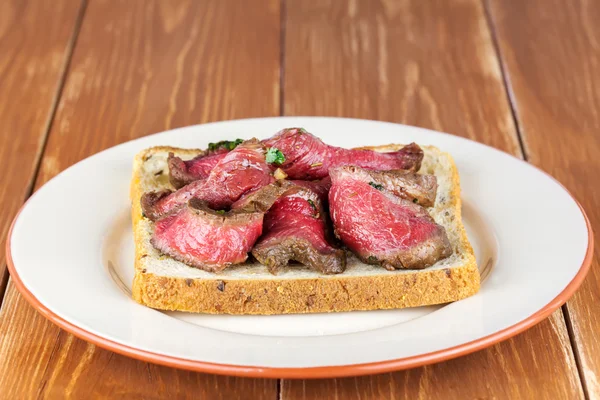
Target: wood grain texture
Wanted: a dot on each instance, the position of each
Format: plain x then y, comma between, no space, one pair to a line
505,371
551,51
34,49
430,64
141,67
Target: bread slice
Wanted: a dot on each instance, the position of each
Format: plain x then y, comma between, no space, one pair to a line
161,282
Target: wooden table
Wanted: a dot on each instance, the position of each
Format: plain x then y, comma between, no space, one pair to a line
79,76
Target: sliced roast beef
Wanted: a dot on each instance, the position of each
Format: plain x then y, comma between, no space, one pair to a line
420,189
320,187
203,238
182,173
295,229
261,200
304,156
242,170
155,205
381,228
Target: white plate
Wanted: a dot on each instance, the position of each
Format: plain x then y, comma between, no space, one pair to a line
70,253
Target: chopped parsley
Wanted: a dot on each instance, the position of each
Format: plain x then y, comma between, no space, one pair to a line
302,130
376,185
275,156
225,144
220,212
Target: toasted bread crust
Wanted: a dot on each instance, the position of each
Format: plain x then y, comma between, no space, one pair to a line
304,295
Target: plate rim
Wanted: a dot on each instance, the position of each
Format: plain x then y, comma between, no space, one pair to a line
321,371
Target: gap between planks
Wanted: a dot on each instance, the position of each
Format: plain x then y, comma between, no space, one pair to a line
48,125
505,77
514,111
282,32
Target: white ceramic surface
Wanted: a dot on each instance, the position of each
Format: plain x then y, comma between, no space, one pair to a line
71,248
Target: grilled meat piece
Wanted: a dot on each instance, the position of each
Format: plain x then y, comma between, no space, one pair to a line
242,170
203,238
183,173
296,229
420,189
306,157
381,228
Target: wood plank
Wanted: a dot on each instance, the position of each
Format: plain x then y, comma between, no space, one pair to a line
551,51
35,45
500,372
141,67
430,64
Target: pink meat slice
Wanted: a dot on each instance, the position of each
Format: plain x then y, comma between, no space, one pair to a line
242,170
308,158
206,239
320,187
381,228
295,229
182,173
418,188
262,199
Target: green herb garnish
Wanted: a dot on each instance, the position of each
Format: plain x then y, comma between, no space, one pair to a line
376,185
225,144
302,130
415,201
372,260
274,156
220,212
